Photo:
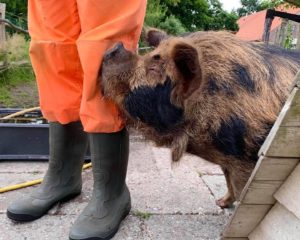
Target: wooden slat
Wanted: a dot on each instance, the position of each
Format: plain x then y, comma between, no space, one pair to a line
289,193
286,143
292,118
279,155
245,219
273,132
268,175
296,82
279,224
261,192
275,169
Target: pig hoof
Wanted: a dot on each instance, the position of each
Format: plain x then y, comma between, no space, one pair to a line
224,203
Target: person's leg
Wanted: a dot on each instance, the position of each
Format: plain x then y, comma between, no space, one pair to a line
62,181
54,27
103,24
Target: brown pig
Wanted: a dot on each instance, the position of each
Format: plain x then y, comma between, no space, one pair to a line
208,93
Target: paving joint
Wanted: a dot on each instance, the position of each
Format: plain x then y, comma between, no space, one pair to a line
209,189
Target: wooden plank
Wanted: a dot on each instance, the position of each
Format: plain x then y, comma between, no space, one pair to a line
278,122
270,169
279,224
275,169
292,118
297,77
289,193
261,192
286,143
245,219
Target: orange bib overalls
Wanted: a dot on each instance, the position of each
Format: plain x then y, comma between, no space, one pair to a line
68,40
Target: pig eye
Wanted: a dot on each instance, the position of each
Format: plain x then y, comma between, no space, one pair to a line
156,57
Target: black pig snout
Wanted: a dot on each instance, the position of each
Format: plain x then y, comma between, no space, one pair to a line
116,51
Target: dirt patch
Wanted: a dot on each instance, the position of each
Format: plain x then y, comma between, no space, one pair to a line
24,95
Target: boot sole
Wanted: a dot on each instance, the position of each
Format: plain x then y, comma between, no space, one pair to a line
27,217
113,232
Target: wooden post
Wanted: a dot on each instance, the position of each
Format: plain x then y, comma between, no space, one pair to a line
2,26
282,33
298,37
267,28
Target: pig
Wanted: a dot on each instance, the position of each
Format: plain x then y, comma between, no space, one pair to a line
207,93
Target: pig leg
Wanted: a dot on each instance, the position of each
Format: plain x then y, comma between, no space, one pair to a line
239,177
228,199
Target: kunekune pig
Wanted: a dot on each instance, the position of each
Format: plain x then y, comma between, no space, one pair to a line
208,93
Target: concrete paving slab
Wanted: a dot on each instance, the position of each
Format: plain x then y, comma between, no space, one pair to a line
23,167
46,228
183,227
57,227
8,179
217,185
6,198
166,190
181,198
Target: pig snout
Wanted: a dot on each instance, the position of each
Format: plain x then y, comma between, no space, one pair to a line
116,52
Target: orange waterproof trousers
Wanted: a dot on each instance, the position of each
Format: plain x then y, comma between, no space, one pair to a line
68,40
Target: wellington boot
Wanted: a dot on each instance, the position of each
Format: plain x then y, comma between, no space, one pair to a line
110,202
68,144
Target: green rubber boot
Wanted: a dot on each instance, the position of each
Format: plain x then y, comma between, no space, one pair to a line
110,202
68,144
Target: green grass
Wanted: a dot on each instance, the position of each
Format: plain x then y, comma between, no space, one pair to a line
5,98
16,75
10,79
14,50
143,215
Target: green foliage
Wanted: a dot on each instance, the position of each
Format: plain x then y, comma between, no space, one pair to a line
174,16
194,14
156,16
177,16
156,13
16,7
16,12
220,19
248,7
251,6
271,4
172,25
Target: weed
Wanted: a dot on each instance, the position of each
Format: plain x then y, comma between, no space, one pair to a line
143,215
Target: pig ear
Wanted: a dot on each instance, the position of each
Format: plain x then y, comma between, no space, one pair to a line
154,36
189,72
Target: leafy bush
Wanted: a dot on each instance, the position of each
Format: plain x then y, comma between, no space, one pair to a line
172,25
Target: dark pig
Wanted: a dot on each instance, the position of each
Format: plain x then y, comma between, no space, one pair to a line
208,93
